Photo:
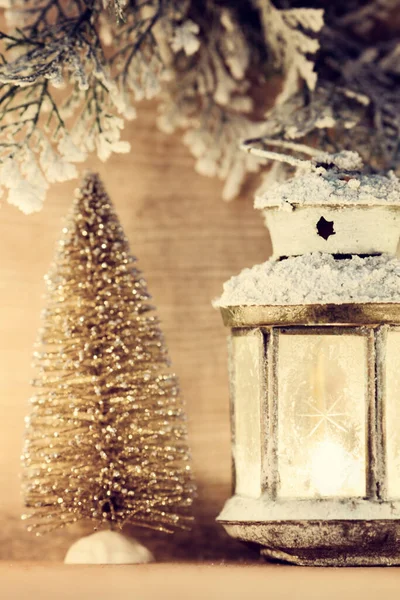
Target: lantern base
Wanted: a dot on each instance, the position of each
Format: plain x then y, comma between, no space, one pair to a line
336,543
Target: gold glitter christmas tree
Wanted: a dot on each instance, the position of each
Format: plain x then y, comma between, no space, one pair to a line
106,438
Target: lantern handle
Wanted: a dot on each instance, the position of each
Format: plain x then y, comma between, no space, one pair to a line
248,146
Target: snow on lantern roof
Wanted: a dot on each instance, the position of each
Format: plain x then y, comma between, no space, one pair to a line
332,180
315,279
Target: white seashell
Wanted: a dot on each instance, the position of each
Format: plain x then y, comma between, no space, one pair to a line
107,548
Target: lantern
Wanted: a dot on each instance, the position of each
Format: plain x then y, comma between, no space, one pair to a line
315,373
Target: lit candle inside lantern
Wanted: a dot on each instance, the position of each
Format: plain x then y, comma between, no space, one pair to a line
330,467
321,418
328,458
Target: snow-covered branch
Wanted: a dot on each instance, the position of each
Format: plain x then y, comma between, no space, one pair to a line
73,71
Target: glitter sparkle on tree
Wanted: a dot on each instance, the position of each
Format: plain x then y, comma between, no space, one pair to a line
106,437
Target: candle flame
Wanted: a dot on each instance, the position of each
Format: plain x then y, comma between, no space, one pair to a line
330,467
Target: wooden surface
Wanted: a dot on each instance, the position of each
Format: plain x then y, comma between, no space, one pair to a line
188,242
195,582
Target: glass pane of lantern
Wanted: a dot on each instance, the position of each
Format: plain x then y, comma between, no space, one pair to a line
247,381
322,413
392,385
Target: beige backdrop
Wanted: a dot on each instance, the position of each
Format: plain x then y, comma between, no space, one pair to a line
188,242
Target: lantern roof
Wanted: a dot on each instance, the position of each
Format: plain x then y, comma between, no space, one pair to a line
332,180
315,278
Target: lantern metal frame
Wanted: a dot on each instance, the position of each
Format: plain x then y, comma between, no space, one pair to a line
308,539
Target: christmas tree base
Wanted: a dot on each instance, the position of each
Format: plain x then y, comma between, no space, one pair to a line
344,543
107,548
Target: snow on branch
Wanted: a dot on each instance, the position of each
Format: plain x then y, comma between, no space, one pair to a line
292,39
355,103
63,94
73,71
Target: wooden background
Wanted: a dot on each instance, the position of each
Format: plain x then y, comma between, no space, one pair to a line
188,242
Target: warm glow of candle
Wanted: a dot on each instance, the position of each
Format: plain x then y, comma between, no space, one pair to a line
321,416
329,460
330,466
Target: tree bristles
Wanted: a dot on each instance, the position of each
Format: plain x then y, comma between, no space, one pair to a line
106,437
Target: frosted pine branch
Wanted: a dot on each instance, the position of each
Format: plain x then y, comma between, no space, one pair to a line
355,104
73,71
59,45
292,40
106,55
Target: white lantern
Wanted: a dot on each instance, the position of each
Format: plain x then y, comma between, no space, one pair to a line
315,374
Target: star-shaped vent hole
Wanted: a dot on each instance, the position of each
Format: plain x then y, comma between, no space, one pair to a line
325,228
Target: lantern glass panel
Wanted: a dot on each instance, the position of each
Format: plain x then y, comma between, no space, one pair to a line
322,415
247,351
392,387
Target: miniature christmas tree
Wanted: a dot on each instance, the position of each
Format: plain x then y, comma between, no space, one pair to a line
106,438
